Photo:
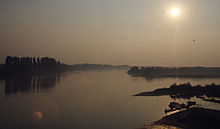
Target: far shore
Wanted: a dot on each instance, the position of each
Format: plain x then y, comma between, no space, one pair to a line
180,72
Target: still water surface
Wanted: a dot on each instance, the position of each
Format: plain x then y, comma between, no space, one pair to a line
84,100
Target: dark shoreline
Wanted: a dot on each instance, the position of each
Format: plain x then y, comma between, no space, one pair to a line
187,117
53,69
207,92
194,118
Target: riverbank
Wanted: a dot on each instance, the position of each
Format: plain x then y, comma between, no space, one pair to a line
207,92
194,118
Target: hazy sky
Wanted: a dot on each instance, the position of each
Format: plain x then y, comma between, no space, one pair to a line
134,32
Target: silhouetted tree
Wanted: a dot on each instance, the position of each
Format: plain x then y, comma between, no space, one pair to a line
38,60
28,64
47,61
8,60
34,61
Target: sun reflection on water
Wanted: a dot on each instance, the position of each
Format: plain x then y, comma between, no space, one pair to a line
37,115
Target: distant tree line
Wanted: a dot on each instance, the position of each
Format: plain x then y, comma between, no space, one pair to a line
14,60
14,63
98,66
175,71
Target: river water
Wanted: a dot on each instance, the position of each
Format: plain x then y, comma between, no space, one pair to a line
99,99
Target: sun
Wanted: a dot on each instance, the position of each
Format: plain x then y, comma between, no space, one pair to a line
174,11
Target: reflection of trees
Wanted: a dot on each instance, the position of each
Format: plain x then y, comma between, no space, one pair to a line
27,83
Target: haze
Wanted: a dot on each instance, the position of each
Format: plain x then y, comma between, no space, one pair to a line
133,32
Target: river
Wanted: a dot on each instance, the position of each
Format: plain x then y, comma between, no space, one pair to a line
98,99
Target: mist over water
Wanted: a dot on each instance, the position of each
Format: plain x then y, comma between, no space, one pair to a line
87,99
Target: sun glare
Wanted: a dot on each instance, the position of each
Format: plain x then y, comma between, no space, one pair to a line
174,12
